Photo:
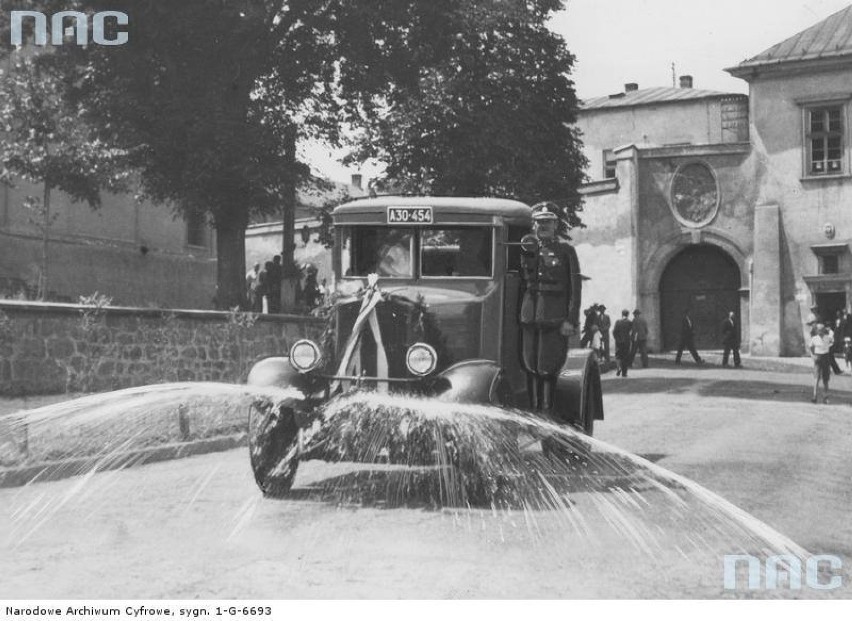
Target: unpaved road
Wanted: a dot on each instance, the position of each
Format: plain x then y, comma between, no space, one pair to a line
751,436
198,528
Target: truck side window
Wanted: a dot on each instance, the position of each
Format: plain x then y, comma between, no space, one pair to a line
458,251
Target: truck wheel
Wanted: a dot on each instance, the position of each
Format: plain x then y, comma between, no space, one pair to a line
273,448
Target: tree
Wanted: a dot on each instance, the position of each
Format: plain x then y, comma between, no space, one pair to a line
43,141
208,96
493,116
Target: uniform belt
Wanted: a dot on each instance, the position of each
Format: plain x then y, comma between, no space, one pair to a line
545,287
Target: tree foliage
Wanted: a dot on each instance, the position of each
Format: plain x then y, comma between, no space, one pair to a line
492,114
208,97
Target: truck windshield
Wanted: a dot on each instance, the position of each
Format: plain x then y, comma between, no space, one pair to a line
457,251
383,251
461,251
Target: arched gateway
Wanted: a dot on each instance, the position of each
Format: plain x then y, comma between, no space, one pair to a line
706,279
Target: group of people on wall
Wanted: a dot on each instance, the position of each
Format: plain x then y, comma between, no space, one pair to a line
264,288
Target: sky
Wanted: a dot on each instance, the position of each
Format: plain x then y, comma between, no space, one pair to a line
620,41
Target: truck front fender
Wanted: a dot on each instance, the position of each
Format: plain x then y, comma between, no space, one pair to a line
472,381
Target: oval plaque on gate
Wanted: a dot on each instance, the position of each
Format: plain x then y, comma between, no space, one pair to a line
694,195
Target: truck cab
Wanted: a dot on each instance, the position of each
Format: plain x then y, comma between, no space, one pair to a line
426,301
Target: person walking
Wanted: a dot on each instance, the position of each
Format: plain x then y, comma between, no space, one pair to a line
731,340
639,336
550,304
604,323
687,339
621,333
820,348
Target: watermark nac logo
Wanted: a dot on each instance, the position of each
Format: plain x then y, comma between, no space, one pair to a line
78,28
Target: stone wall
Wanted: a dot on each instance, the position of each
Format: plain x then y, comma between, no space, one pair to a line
54,348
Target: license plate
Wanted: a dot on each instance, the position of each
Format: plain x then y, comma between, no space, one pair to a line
409,215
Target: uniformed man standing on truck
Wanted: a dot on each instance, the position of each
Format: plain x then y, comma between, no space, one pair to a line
550,303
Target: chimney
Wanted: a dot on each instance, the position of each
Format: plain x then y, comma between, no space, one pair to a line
630,87
356,181
686,81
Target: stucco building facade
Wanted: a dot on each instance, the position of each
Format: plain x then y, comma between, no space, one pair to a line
717,201
137,253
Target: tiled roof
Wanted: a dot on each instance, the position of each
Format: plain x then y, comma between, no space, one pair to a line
650,96
829,38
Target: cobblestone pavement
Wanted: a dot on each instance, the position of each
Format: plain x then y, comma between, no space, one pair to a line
751,436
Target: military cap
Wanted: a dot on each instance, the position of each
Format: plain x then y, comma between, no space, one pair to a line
544,211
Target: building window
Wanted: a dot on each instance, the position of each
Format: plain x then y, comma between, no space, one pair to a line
824,143
196,230
609,164
829,264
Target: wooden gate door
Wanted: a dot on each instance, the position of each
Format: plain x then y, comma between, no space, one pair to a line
705,279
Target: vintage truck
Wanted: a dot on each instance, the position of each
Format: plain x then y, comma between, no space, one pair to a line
426,302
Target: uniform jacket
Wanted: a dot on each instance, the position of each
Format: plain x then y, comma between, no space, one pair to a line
730,334
552,284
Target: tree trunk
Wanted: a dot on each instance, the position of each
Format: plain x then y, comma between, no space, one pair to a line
290,271
231,263
45,241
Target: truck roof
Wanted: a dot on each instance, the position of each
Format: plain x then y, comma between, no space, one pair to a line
510,210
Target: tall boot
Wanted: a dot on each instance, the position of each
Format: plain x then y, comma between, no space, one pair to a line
546,389
532,391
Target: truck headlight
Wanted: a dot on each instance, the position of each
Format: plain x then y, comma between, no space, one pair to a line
305,355
421,359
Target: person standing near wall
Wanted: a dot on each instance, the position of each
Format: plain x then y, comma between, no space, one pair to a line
815,318
311,292
274,278
251,287
604,323
263,288
621,333
639,337
730,340
820,348
590,321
